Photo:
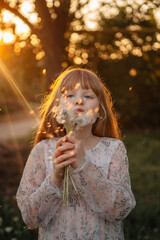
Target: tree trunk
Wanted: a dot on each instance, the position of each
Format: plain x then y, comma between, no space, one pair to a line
52,37
52,60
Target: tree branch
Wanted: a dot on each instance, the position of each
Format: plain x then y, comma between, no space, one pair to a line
18,14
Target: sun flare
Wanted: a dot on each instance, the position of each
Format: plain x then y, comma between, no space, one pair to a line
8,37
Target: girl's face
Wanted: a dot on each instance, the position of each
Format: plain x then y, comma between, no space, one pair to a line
81,100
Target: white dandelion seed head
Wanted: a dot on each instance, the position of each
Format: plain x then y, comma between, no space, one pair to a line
66,115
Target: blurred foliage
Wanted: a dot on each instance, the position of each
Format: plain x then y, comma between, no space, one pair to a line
12,226
143,154
24,69
140,106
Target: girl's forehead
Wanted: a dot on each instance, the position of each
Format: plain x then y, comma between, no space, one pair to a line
76,87
80,89
76,82
83,86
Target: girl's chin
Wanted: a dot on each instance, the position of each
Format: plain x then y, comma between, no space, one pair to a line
79,114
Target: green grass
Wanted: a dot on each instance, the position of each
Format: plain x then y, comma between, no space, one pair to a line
144,165
143,222
12,226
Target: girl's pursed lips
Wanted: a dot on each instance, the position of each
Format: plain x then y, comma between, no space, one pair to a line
79,110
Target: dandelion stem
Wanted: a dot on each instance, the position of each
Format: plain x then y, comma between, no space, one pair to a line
73,194
67,127
73,182
67,186
74,126
64,185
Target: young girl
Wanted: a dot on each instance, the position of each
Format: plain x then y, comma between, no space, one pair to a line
97,159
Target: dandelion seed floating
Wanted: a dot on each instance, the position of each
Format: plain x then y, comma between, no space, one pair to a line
44,71
49,124
96,109
77,86
50,135
31,112
62,90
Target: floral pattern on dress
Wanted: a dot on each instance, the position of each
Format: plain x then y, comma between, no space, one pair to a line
104,186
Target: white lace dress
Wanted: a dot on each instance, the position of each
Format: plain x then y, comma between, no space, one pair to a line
103,183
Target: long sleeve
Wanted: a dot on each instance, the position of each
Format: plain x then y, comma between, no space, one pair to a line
37,197
109,196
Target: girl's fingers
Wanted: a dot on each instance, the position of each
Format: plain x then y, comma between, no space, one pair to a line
65,163
61,149
63,157
60,141
71,139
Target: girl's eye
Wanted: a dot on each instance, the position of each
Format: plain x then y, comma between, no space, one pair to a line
88,96
69,96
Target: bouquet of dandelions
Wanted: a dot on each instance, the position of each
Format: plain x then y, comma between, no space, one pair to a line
72,122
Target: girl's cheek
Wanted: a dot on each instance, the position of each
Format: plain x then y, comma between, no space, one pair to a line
69,105
61,101
94,106
64,101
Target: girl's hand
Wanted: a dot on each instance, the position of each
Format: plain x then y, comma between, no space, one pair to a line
79,150
61,160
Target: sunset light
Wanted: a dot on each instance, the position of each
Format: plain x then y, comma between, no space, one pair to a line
157,16
1,35
89,11
21,29
26,8
7,16
8,37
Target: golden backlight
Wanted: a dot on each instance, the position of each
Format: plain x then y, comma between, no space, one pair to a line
21,29
89,11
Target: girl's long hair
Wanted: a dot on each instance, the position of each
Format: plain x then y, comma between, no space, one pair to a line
106,124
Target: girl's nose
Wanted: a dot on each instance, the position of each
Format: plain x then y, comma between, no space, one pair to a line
79,101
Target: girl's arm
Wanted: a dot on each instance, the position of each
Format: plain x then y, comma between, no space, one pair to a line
109,196
37,197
